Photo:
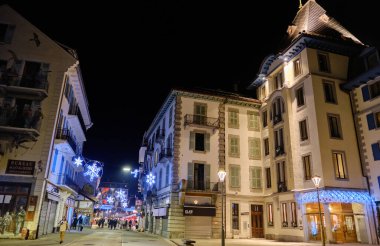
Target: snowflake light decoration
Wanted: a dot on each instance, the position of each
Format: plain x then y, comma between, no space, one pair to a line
135,172
124,204
120,194
93,171
110,199
150,179
78,161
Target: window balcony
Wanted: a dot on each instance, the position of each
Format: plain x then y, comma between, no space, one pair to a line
277,119
200,186
279,150
65,134
66,180
281,186
12,85
201,121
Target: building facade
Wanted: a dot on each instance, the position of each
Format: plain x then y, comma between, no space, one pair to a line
34,72
316,114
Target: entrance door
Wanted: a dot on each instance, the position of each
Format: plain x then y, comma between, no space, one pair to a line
349,229
257,221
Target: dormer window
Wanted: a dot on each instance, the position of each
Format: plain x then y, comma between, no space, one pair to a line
6,33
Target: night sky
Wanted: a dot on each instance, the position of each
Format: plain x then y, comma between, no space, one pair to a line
132,55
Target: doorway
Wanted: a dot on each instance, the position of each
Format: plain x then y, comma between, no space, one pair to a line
257,221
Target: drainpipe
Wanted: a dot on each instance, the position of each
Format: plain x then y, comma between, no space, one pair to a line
353,111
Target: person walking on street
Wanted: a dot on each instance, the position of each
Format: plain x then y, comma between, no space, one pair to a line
62,229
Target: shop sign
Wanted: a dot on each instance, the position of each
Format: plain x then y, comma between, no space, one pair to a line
199,211
20,167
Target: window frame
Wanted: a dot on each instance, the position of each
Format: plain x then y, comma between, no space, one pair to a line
230,146
253,121
307,175
254,153
268,177
297,67
303,130
331,85
232,121
284,214
374,87
338,126
337,167
235,213
299,96
270,214
232,176
252,178
265,118
327,62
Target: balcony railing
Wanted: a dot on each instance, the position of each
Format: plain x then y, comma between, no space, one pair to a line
65,134
166,153
12,79
201,120
66,180
13,117
277,119
279,150
201,186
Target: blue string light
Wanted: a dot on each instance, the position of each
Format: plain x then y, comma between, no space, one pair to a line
329,196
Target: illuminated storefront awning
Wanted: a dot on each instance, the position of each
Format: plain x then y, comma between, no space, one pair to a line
342,196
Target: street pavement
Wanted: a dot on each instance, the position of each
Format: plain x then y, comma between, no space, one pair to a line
106,237
94,237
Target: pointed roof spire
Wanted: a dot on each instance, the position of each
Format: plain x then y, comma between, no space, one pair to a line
311,18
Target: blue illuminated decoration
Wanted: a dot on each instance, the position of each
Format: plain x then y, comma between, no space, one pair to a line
78,161
150,179
342,196
94,170
135,172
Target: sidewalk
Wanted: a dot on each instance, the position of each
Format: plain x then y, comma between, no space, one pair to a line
49,239
256,242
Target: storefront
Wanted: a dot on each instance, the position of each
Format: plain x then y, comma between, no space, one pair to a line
198,221
13,196
346,216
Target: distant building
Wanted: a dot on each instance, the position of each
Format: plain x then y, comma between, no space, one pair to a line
43,118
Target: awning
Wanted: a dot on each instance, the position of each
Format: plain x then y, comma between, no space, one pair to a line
342,196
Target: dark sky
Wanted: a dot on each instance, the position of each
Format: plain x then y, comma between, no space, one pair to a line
132,55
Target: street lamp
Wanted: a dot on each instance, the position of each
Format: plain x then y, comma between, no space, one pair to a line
126,169
316,180
222,174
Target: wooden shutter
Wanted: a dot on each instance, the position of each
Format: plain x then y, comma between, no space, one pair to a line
207,169
207,141
365,92
192,140
371,121
190,175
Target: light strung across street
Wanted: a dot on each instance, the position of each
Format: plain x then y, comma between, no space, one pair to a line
94,170
135,172
78,161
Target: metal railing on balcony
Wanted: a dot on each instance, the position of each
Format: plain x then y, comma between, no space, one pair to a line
277,119
279,150
202,186
66,180
201,120
13,117
65,134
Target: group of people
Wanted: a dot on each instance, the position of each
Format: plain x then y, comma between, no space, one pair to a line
117,223
77,222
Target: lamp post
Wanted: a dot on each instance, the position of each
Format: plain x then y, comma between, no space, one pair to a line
222,174
316,180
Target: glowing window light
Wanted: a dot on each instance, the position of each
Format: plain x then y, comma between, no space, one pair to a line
150,179
93,171
341,196
78,161
135,172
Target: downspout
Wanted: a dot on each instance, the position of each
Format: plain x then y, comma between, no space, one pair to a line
353,111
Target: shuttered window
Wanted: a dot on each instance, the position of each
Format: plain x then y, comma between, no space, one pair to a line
234,176
255,177
254,148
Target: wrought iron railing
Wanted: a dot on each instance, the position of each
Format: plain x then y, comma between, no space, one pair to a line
201,120
202,186
282,187
66,180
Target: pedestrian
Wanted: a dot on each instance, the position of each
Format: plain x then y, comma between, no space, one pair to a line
62,229
74,224
80,223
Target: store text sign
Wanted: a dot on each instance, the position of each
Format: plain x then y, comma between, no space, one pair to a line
20,167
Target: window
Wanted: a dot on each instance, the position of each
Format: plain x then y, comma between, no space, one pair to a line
233,118
329,90
306,167
297,67
339,164
198,176
167,175
279,142
372,60
254,148
293,209
170,116
281,173
373,120
54,160
6,33
199,141
160,179
234,149
156,158
376,151
255,177
235,216
234,176
268,177
284,214
323,62
263,92
375,89
303,130
300,98
277,109
253,121
265,118
200,113
279,80
270,214
266,146
334,125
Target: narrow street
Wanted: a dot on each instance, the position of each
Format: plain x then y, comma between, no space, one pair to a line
100,237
